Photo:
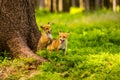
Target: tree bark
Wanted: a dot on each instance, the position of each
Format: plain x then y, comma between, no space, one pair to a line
73,3
18,30
51,6
97,4
81,3
66,5
87,5
60,5
107,4
54,6
92,4
57,5
48,4
114,5
40,4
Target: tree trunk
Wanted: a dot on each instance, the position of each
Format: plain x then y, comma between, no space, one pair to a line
87,5
60,5
48,5
54,6
51,6
73,3
92,4
66,5
40,4
57,5
18,30
114,5
107,3
81,4
97,4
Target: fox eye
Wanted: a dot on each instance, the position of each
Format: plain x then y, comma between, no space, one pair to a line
64,37
60,36
46,28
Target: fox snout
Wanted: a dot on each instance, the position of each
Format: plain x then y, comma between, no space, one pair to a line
62,41
49,32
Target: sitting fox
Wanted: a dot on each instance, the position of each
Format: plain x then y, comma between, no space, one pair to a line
45,38
60,43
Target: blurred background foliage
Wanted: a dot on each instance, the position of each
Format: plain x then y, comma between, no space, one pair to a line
75,6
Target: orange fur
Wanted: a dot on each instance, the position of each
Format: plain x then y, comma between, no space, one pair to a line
45,38
60,43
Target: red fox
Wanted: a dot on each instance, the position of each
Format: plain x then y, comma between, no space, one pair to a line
46,37
60,43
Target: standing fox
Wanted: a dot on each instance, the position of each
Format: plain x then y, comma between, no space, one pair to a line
45,38
60,43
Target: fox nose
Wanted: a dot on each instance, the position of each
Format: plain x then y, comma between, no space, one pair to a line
49,32
61,40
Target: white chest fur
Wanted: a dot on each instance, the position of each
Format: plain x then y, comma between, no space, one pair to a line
63,45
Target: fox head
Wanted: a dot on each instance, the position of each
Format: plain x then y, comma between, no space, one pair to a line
47,29
63,36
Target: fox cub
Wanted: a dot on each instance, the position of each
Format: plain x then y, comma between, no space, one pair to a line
60,43
46,37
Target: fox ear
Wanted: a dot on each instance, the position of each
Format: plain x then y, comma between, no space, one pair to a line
68,33
59,32
49,23
42,27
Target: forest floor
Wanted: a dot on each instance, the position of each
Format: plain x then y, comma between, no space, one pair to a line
93,50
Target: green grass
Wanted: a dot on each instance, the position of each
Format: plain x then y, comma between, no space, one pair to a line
93,48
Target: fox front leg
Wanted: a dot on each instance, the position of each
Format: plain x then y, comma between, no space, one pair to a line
57,50
49,51
64,51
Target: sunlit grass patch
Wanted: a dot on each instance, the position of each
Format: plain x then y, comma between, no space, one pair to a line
74,10
93,52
